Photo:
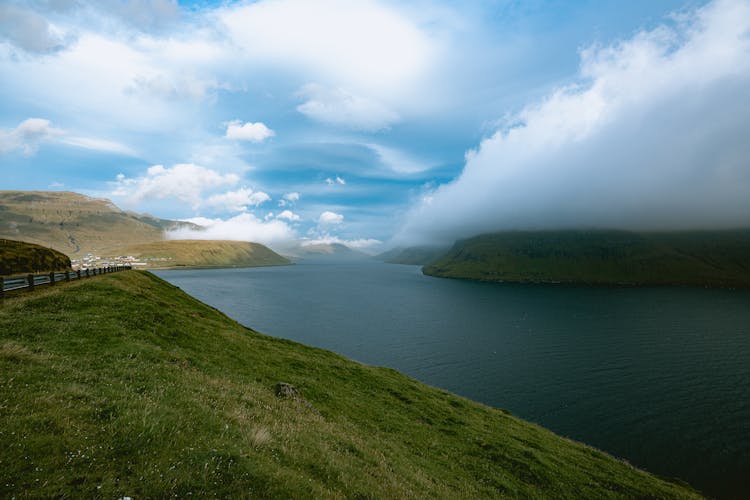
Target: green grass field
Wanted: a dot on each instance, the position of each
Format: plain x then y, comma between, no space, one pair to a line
692,258
124,385
17,257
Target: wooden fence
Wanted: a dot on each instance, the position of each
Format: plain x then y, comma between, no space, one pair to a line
31,281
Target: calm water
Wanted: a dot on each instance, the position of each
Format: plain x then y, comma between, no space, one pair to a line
659,376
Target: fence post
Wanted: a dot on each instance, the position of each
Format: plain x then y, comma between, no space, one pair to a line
30,281
67,275
87,273
52,278
78,274
2,288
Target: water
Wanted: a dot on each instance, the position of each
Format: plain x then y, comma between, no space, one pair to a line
659,376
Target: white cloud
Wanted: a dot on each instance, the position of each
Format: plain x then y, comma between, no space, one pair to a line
253,132
364,43
98,145
288,215
180,86
335,106
243,227
32,132
144,15
185,182
29,31
328,218
289,199
237,201
28,135
357,244
336,180
656,137
124,83
397,161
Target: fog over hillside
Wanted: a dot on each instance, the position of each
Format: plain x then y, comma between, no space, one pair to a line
653,136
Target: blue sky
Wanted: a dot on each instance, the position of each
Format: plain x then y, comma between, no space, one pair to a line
381,122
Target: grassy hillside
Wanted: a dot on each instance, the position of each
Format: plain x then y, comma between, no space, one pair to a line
75,224
18,257
206,253
697,258
124,385
416,256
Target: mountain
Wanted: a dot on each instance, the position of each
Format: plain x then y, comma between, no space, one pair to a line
123,385
418,256
75,224
693,258
205,253
327,251
18,257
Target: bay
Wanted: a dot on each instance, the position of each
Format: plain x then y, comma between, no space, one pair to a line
658,376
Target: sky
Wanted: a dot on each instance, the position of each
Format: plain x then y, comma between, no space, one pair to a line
377,123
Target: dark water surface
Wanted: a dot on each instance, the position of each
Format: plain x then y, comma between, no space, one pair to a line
659,376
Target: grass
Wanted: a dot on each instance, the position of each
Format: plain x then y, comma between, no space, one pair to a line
18,257
206,253
691,258
124,385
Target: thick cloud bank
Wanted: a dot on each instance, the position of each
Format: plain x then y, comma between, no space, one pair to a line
656,136
242,227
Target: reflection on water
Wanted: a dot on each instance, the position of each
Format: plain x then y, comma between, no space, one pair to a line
659,376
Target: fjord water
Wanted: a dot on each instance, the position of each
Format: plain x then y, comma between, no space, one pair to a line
658,376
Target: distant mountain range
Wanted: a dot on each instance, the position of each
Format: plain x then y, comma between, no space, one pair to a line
599,257
326,251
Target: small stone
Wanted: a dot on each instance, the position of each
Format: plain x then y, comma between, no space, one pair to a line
284,390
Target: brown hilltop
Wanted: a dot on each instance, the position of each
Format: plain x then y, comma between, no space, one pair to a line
75,224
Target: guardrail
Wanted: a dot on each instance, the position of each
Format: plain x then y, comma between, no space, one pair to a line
31,281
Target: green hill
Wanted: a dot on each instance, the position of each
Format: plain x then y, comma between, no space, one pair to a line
205,253
415,256
693,258
75,224
18,257
124,385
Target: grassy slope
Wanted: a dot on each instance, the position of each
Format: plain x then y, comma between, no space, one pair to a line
164,395
207,253
72,223
18,257
700,258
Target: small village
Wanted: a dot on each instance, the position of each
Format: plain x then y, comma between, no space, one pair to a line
91,261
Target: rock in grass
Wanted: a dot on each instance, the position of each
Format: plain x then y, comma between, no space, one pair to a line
284,390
